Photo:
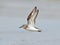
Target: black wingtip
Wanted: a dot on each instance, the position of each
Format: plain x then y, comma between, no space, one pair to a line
39,30
35,7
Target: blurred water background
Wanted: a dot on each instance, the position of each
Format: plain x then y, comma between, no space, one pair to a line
13,13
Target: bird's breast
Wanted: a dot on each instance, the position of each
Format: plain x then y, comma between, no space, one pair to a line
31,28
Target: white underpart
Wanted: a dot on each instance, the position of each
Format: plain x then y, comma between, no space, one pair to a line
32,29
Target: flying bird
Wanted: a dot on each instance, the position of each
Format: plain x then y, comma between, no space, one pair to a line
31,19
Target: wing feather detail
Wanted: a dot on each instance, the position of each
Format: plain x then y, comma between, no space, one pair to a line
32,16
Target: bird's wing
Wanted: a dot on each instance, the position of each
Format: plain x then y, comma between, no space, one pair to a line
32,16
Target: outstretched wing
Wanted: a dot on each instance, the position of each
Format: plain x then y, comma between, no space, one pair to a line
32,16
